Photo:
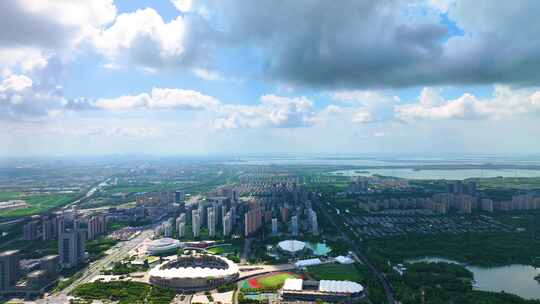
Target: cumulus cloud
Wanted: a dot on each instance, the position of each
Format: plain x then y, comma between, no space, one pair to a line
504,103
20,98
273,111
34,30
160,98
142,38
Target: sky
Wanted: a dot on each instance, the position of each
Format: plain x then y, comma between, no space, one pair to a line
214,77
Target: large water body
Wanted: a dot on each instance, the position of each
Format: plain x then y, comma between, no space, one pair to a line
454,174
515,279
409,173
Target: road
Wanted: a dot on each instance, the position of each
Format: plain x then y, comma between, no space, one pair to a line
388,290
118,253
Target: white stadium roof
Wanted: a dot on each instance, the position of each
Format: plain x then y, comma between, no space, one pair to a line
292,246
162,245
195,272
293,284
306,263
340,286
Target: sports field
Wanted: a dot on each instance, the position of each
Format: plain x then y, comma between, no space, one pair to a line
334,272
268,282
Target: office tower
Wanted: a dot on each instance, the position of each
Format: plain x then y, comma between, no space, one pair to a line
71,248
227,224
30,231
10,270
211,221
274,226
181,230
195,223
294,225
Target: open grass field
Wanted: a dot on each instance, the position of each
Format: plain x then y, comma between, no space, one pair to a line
268,282
40,203
225,249
334,272
9,195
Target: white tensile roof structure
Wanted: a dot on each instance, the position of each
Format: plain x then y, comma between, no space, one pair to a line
196,272
293,284
163,245
292,246
340,286
306,263
343,260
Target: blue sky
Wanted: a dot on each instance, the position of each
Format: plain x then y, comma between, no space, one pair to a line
214,77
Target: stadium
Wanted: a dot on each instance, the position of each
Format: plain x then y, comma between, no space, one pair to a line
194,272
292,247
162,246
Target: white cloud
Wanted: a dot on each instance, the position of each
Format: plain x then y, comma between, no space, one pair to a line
182,5
504,103
15,83
160,98
34,30
366,106
20,99
273,111
362,117
143,38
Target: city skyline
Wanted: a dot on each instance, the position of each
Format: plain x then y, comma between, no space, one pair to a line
204,77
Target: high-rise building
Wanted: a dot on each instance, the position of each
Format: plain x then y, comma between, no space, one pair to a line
96,226
10,269
486,205
30,231
274,226
294,225
179,196
47,229
284,214
227,224
313,222
50,264
181,229
195,223
167,229
71,248
252,221
211,211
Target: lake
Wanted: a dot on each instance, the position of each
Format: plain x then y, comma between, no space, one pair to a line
516,279
441,173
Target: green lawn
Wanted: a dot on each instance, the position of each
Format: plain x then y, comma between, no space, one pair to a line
334,272
9,195
40,203
275,281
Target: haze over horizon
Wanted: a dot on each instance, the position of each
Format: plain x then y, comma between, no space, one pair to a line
226,77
